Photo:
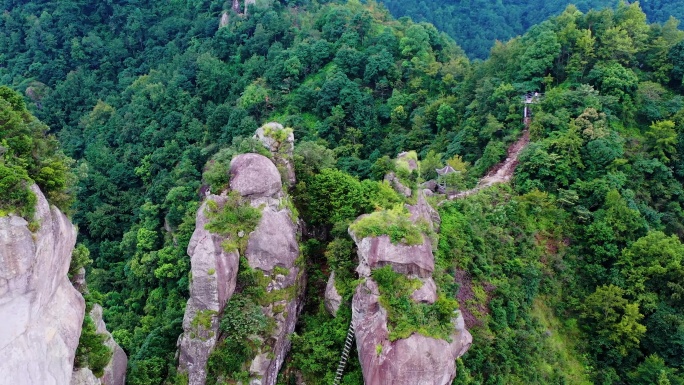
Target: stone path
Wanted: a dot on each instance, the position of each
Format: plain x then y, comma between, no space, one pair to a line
500,173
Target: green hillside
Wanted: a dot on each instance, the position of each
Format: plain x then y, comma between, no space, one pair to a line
477,24
570,274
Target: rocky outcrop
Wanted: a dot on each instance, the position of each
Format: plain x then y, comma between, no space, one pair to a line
430,185
214,274
271,249
427,293
41,312
254,176
417,359
280,141
274,242
225,19
333,299
410,361
115,371
422,211
84,376
409,159
376,252
394,181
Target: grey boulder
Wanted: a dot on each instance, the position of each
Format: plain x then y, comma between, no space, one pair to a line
333,299
115,371
254,176
416,360
376,252
273,242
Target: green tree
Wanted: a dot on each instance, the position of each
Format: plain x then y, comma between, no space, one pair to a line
654,371
662,139
653,268
613,319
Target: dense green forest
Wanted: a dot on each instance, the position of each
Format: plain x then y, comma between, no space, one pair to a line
477,24
573,272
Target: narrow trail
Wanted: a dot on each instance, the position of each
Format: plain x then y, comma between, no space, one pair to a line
500,173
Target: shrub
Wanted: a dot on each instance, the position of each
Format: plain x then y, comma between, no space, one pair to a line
80,257
235,220
244,326
91,351
405,317
14,192
28,155
395,222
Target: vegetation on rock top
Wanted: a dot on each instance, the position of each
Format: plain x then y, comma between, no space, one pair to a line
143,95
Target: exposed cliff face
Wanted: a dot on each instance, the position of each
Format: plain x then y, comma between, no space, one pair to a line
214,273
271,249
41,312
379,251
417,359
333,299
115,371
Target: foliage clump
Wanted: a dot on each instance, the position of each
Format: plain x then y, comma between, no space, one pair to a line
28,155
80,257
395,222
243,329
404,316
235,220
91,351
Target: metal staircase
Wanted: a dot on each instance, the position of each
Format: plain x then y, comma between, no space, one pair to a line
348,342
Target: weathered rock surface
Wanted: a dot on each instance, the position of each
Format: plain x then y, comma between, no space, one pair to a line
79,280
84,376
426,293
40,311
422,211
410,162
254,175
376,252
274,241
265,366
214,274
430,185
282,150
274,244
416,360
224,20
115,371
333,299
394,181
272,249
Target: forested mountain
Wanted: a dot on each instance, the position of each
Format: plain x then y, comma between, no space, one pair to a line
570,274
477,24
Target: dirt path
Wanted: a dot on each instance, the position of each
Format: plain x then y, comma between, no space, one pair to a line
500,173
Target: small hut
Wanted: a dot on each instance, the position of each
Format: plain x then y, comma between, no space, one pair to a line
441,175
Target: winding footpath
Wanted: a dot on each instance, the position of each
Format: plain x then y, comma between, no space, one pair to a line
500,173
